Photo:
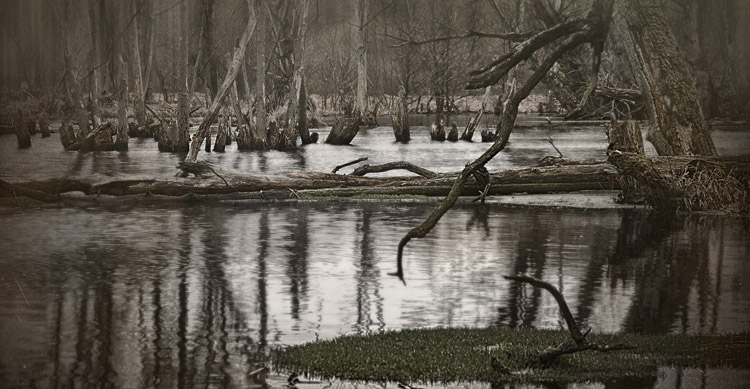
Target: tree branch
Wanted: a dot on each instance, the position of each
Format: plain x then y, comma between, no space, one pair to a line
511,36
508,120
365,169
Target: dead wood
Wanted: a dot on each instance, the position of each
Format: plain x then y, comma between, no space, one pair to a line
474,121
12,190
579,341
453,133
343,130
339,167
403,165
437,131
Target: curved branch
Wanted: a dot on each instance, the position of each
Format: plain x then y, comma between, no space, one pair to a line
508,120
575,332
511,36
493,72
365,169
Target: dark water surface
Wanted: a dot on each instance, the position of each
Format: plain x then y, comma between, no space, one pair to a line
196,296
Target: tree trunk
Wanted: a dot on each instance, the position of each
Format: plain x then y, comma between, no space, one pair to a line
360,42
453,133
437,131
44,128
234,68
181,134
121,88
260,130
401,119
221,136
678,127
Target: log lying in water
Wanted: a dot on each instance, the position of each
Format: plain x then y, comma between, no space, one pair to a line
213,183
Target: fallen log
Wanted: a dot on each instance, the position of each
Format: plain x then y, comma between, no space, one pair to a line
211,182
400,165
11,190
343,165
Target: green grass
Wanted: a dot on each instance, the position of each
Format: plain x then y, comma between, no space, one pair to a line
461,354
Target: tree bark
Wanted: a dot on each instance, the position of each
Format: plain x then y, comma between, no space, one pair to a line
678,127
401,118
261,127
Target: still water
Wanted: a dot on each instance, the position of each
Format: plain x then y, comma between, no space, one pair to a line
196,295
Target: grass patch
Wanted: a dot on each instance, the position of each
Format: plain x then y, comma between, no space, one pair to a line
462,354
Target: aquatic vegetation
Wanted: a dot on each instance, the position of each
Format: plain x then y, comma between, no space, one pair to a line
463,354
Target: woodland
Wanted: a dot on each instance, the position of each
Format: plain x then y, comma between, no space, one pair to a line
274,75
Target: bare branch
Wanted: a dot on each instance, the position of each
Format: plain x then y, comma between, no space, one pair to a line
508,120
511,36
365,169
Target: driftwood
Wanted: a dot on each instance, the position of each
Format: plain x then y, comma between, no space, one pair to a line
343,130
356,161
400,165
579,341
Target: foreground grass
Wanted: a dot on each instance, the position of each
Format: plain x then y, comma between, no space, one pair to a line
460,354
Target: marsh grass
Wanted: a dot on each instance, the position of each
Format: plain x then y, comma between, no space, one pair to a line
461,354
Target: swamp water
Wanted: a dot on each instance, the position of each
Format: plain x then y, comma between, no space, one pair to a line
196,295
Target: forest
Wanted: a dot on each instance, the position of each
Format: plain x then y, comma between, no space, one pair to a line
206,164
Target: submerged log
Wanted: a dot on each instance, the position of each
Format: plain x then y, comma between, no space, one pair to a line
344,130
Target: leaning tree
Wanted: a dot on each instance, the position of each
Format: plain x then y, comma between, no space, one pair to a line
677,123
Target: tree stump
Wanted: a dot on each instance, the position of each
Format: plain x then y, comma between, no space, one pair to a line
22,131
401,121
625,137
31,126
488,136
344,130
437,131
44,128
208,142
169,139
221,137
453,133
68,136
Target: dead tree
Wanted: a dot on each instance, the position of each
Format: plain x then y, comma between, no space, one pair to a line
401,119
437,131
453,133
474,121
234,68
578,340
567,36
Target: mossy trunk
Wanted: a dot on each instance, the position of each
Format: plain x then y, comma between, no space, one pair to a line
678,127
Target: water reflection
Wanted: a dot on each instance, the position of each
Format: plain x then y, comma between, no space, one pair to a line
195,296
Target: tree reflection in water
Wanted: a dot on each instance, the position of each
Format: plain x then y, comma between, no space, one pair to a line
195,296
